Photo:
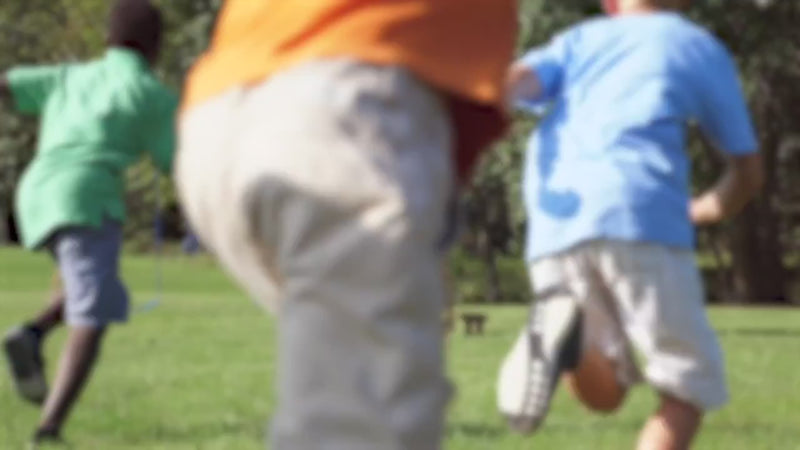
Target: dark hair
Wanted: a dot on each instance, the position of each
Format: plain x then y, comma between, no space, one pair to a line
137,25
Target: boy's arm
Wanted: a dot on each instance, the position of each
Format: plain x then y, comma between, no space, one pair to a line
740,183
27,88
161,140
725,119
536,79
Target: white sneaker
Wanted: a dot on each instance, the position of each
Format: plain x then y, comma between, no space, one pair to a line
548,346
23,353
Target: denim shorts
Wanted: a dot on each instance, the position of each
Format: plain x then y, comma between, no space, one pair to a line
88,261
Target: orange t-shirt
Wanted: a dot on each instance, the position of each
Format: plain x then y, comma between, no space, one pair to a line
462,47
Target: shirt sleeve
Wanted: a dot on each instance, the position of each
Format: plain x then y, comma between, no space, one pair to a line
31,86
549,64
723,116
160,133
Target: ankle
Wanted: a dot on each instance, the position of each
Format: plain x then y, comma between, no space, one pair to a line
37,331
672,427
46,434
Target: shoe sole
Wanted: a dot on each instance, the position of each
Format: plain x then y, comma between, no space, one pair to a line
529,374
25,371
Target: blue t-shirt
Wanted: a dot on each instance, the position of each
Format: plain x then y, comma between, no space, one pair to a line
609,159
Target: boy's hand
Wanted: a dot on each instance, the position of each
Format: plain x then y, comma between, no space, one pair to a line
741,182
521,83
705,210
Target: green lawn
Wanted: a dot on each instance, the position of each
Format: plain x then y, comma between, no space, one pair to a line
196,373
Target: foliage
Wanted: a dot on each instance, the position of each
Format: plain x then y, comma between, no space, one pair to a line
40,31
753,252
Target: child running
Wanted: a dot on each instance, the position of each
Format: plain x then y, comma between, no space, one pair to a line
610,238
97,119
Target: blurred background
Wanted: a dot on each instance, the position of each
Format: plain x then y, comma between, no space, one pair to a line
752,259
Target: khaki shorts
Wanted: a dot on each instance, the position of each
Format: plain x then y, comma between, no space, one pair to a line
650,296
325,192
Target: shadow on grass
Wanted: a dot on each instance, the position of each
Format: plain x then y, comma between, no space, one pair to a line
488,332
761,332
200,432
259,432
474,430
611,425
756,429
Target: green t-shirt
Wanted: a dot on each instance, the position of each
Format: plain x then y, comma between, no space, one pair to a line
97,119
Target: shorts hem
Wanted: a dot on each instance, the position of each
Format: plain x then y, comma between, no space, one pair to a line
703,402
83,322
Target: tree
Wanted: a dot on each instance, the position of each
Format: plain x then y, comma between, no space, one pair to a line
759,237
754,253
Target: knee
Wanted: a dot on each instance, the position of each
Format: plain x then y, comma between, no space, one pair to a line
672,406
596,385
602,396
605,402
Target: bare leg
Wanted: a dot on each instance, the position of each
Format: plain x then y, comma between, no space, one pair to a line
77,361
23,348
53,314
50,317
594,383
672,427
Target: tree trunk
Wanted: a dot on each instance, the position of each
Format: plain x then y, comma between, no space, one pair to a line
758,271
5,233
719,288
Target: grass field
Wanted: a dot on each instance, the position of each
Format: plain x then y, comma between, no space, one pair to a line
196,373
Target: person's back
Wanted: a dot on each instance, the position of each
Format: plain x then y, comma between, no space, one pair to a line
97,118
610,160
